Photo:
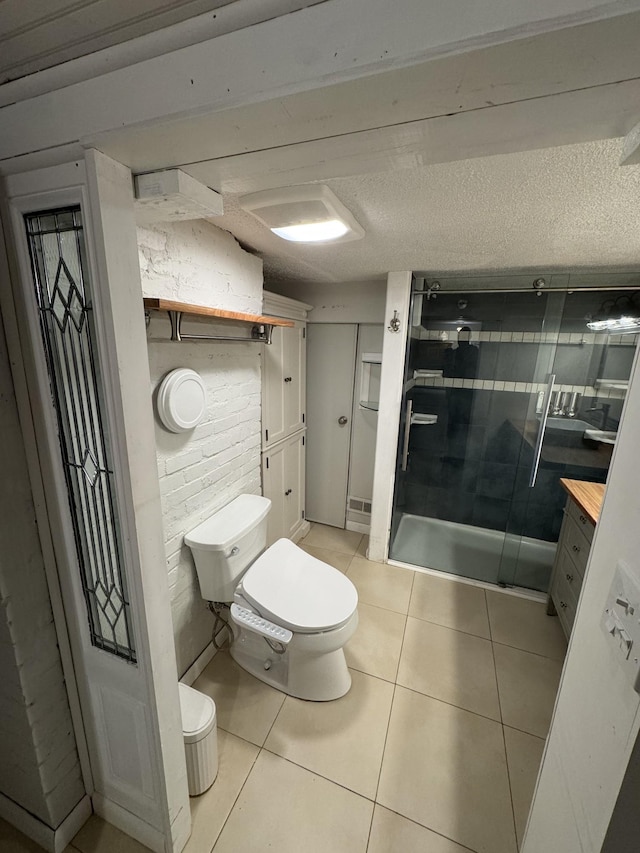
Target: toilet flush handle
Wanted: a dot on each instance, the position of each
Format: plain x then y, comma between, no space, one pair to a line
235,550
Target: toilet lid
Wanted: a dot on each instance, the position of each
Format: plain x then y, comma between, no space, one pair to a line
297,591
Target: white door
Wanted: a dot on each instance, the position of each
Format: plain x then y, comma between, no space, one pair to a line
89,427
331,352
294,364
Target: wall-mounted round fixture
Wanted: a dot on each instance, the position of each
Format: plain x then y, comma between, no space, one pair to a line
307,214
181,400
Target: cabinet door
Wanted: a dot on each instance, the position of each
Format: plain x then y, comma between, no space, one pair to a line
273,487
283,484
294,367
273,389
294,465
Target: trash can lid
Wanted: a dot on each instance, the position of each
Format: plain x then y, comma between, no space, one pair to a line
198,713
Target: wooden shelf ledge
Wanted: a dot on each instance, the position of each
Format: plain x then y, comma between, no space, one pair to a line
152,304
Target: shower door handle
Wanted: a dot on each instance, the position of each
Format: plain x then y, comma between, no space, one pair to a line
543,426
405,441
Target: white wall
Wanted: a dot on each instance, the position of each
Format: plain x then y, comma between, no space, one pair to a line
364,424
348,302
596,721
39,766
201,471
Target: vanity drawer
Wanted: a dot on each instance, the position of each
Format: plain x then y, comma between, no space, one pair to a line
565,591
581,520
576,544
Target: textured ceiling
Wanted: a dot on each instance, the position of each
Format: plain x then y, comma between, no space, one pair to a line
569,207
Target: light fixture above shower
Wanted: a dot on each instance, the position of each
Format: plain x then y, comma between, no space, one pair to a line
616,316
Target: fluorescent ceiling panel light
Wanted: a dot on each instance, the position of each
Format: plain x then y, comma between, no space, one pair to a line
312,232
308,214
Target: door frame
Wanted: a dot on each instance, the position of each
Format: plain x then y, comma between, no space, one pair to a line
159,817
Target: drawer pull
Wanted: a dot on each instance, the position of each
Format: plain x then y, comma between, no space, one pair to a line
563,604
583,519
569,578
575,548
287,493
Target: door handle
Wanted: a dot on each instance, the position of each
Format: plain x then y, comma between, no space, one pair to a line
405,442
543,426
287,493
287,378
342,420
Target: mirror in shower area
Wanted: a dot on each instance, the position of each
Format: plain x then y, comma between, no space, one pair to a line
506,391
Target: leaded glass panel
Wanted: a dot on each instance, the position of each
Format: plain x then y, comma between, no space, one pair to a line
63,291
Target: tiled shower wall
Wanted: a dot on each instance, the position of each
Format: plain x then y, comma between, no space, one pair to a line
39,767
202,470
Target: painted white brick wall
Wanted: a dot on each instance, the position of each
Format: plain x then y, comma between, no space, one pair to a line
196,262
38,759
200,471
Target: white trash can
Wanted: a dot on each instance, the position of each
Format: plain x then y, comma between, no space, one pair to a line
200,738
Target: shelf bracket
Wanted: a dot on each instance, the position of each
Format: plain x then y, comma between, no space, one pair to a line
261,333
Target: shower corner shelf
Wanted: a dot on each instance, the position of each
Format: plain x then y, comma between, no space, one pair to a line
371,405
261,331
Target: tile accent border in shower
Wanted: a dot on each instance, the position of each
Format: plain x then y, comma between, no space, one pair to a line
602,392
576,338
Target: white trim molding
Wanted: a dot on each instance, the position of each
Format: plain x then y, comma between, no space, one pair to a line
393,354
53,840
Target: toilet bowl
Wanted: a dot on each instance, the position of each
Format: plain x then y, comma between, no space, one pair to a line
290,614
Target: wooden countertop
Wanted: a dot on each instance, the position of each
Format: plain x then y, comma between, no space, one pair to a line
588,496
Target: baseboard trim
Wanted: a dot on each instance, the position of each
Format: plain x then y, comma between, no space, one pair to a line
199,664
72,824
53,840
129,823
302,531
357,527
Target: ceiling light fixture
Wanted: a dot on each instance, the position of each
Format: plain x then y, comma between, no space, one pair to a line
307,214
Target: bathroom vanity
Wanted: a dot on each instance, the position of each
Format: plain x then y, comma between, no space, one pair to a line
580,518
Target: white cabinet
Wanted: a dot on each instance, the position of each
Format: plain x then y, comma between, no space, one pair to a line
283,480
570,565
283,382
283,419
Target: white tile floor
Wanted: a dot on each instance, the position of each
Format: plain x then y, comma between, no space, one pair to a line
435,748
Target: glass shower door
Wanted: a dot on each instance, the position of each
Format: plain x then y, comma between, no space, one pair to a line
584,405
476,370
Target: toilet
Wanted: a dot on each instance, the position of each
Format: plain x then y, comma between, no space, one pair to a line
290,614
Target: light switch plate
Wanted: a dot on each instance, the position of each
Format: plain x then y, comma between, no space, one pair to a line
621,621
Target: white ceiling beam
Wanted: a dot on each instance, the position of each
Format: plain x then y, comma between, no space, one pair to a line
564,119
327,43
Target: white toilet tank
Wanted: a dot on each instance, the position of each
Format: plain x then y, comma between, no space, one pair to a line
225,545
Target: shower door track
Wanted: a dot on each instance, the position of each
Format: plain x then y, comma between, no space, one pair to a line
428,292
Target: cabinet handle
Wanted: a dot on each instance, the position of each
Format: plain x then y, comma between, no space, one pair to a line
287,378
288,492
563,604
575,548
569,578
583,519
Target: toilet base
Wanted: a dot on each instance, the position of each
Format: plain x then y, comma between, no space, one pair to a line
310,668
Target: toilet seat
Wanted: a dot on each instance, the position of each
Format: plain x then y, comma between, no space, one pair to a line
297,591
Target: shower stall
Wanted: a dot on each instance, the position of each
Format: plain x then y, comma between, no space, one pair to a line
510,384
